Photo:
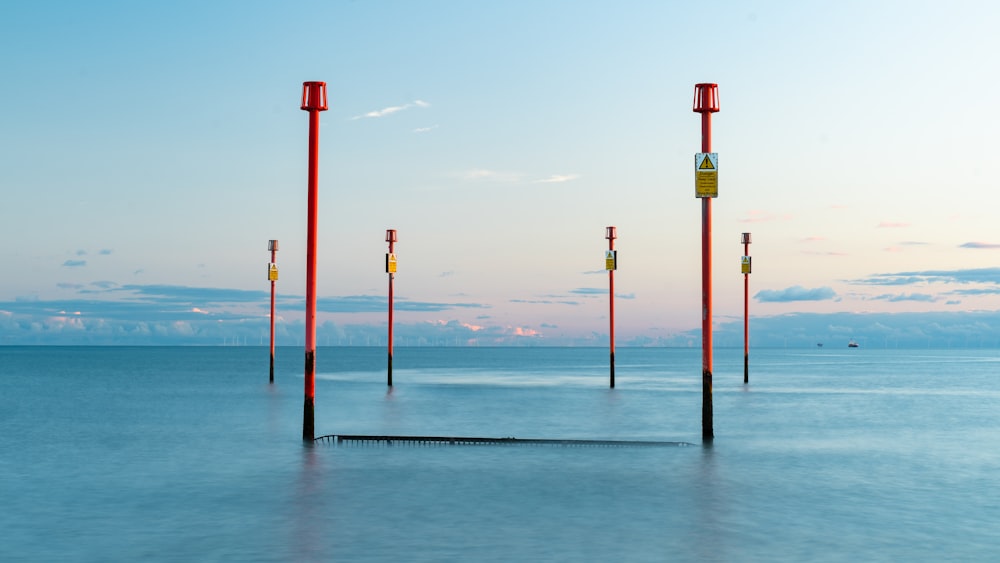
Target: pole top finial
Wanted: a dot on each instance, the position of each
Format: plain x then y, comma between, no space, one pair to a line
611,233
390,235
706,98
272,245
314,96
745,239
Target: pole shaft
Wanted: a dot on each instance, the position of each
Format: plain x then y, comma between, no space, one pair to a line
746,320
272,321
309,406
611,315
392,276
707,429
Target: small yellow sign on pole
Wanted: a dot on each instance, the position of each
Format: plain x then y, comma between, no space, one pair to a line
390,263
610,259
272,271
744,264
706,174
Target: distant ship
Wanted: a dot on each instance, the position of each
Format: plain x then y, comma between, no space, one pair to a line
852,344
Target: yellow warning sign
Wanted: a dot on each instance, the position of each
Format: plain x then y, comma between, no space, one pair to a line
272,271
706,176
744,264
390,263
610,259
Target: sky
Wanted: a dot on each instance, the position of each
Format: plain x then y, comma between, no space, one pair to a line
148,152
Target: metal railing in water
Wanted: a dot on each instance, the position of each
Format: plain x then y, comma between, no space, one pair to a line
359,440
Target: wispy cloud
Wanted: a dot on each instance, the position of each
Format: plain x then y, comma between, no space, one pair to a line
589,291
557,179
891,225
974,275
484,174
795,293
105,251
899,297
74,263
392,109
976,291
890,279
425,129
979,245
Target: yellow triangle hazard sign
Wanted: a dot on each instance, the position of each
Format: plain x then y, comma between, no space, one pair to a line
706,163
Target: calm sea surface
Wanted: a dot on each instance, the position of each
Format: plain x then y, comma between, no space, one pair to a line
188,454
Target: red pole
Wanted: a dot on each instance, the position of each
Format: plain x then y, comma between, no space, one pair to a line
390,268
313,101
272,274
706,102
611,264
746,308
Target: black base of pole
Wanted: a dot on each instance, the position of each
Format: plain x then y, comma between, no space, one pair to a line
746,368
707,430
612,370
309,420
272,368
390,371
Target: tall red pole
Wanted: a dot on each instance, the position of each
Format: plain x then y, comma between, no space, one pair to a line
706,102
313,101
390,268
272,274
746,307
611,264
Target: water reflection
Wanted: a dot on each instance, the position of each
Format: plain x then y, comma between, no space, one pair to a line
308,509
709,506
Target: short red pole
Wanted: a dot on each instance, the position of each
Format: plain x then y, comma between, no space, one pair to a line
390,268
313,101
272,274
611,264
745,267
706,102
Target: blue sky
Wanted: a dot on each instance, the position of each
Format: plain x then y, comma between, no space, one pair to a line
148,152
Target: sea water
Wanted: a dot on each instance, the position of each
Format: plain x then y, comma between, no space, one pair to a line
189,454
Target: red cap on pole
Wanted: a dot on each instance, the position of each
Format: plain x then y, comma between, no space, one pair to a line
706,98
314,96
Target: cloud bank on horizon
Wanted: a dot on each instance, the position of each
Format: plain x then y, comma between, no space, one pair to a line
108,313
